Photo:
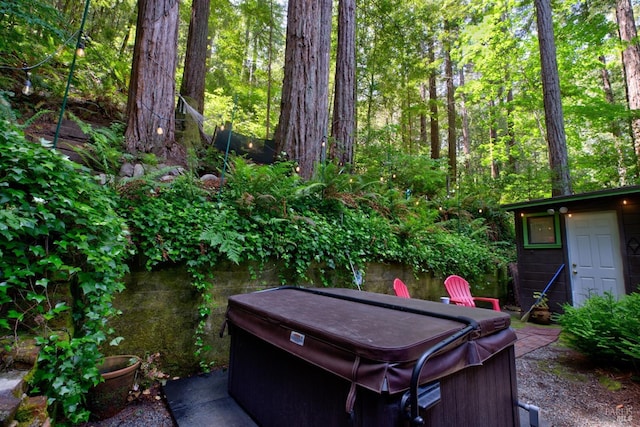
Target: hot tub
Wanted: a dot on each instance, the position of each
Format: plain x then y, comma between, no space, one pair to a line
341,357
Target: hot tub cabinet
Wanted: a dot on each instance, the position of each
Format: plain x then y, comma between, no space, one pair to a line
341,357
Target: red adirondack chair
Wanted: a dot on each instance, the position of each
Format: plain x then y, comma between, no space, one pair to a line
401,289
460,293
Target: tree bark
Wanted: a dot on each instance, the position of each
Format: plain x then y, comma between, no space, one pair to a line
195,61
466,136
433,104
511,135
554,121
303,115
493,138
631,64
344,103
423,114
322,76
269,70
451,106
151,102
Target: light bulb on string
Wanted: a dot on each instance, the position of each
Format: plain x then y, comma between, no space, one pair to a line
27,89
80,47
159,131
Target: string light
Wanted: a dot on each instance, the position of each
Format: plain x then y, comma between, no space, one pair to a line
28,87
80,47
159,131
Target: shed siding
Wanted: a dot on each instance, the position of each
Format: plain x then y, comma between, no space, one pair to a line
630,241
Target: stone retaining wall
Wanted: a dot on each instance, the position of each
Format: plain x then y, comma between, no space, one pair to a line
159,308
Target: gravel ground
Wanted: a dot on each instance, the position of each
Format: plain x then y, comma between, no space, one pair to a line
148,410
569,391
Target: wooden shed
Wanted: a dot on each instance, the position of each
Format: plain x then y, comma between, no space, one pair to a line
595,235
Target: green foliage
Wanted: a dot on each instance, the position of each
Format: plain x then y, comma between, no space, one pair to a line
106,145
605,329
6,113
30,30
543,302
267,213
58,230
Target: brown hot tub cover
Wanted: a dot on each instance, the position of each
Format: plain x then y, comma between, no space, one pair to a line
374,346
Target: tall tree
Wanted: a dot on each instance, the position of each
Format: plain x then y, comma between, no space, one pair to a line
433,101
344,102
631,64
304,106
554,121
464,113
195,60
322,74
451,106
151,103
269,69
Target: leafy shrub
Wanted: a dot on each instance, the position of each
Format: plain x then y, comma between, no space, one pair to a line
605,329
104,151
267,212
58,229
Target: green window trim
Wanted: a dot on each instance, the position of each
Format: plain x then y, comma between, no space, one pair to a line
541,231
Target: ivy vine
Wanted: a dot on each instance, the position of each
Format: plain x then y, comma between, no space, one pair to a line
62,253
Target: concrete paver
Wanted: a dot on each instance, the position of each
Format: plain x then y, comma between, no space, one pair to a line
533,337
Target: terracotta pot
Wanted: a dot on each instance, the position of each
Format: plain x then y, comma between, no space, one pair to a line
110,397
541,315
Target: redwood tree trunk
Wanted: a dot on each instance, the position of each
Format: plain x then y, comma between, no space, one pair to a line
343,124
151,103
322,76
195,61
466,136
493,138
301,130
556,139
423,114
451,106
631,63
269,70
433,104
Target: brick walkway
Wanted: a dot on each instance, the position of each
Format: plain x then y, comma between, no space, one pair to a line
532,338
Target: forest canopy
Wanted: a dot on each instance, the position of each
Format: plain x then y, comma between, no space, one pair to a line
457,81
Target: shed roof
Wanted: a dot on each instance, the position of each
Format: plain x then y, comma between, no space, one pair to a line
601,194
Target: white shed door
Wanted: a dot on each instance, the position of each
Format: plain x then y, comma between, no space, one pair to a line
594,255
